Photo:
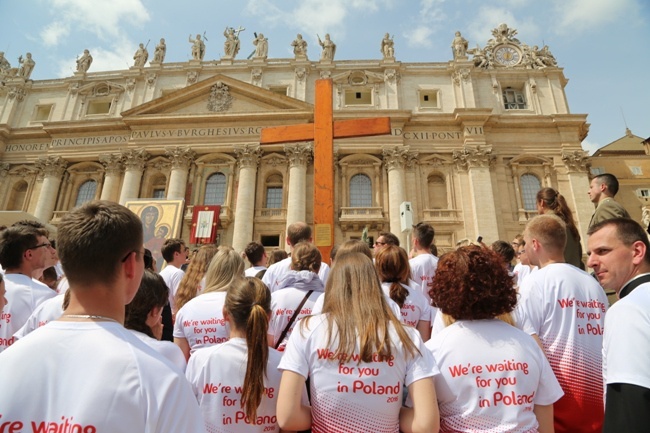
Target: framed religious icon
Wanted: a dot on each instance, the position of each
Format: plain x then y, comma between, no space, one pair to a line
161,220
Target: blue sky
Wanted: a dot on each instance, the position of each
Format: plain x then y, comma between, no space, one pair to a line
601,44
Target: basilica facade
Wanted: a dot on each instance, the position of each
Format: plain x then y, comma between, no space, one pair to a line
472,140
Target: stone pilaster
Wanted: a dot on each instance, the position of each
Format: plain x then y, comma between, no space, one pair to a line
299,156
577,174
395,159
248,158
52,168
476,160
181,159
113,166
4,183
134,160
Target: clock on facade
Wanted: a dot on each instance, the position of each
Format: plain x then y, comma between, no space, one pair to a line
507,55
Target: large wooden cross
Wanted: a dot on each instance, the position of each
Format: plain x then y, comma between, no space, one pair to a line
323,132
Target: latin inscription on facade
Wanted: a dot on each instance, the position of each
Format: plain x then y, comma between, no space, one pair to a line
157,134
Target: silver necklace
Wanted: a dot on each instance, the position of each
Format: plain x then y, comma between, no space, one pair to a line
90,317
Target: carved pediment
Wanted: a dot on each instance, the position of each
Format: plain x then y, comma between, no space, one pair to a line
218,95
358,78
103,88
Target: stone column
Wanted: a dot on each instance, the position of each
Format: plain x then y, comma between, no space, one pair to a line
299,156
112,163
181,158
134,160
577,174
248,158
53,168
476,160
4,183
395,159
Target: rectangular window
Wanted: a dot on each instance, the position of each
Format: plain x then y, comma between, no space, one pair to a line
99,107
158,193
280,90
514,99
428,98
270,240
637,171
42,113
643,192
597,170
358,97
274,197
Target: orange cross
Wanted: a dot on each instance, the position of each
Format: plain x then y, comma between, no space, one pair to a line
323,131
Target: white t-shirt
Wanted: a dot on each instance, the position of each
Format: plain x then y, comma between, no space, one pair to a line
416,307
47,311
283,304
275,272
93,377
351,396
491,376
172,276
217,376
423,269
565,307
253,270
201,321
23,295
169,350
626,345
521,272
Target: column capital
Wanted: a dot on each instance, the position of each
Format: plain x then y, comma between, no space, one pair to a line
112,162
576,161
398,157
134,159
248,155
473,157
181,157
299,154
51,166
4,168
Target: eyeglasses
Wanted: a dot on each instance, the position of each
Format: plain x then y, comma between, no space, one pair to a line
46,245
377,243
131,252
520,252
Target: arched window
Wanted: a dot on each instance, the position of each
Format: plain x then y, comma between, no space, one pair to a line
86,192
17,197
360,191
274,192
530,184
215,189
437,192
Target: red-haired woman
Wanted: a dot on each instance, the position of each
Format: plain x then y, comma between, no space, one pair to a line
493,376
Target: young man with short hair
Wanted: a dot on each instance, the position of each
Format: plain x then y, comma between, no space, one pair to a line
175,254
256,255
619,254
296,232
602,190
385,238
564,308
24,252
91,373
423,264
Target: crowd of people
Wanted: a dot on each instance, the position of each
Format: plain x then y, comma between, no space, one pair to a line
511,337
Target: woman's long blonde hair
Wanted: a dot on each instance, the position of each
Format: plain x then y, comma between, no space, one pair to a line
187,289
226,266
357,310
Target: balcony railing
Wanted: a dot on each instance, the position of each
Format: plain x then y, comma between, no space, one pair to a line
361,213
274,214
438,216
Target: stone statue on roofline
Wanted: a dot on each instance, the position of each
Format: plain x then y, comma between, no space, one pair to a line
299,47
159,52
459,46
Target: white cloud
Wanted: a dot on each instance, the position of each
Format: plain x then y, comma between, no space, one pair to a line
488,18
119,57
591,147
421,33
54,32
105,19
419,36
580,15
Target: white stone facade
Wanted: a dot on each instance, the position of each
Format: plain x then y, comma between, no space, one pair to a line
471,138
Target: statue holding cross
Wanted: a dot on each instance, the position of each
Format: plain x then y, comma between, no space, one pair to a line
323,132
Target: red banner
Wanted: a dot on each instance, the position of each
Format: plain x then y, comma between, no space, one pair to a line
205,220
